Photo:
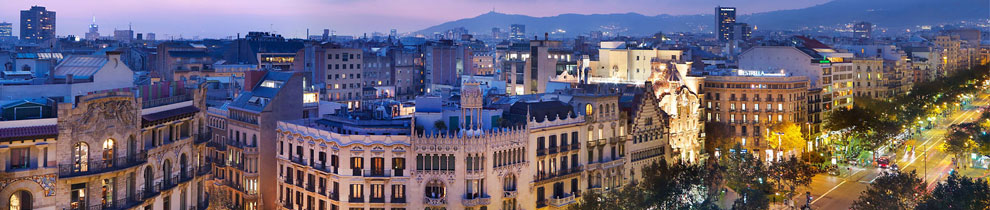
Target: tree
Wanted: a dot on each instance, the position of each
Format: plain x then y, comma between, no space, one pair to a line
664,186
959,140
892,190
748,177
792,173
787,135
440,125
751,199
958,193
718,135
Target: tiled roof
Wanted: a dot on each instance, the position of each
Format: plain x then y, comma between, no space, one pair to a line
8,134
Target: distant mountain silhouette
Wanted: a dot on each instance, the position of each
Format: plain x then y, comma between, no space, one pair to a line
883,13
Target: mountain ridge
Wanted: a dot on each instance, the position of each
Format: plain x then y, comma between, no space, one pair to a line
893,14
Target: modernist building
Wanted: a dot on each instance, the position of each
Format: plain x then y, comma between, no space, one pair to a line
114,150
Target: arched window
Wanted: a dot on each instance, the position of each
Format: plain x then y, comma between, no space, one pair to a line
183,164
20,200
108,152
149,178
167,172
80,157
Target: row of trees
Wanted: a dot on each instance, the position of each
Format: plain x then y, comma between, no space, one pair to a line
872,122
969,137
683,186
904,190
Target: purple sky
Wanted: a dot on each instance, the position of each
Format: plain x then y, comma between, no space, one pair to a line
222,18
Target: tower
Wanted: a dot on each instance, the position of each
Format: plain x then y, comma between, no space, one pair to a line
725,20
471,105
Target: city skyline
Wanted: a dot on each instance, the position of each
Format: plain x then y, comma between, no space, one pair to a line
171,19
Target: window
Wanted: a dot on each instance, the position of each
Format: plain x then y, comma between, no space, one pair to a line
357,191
77,196
107,192
80,157
398,191
377,191
108,152
20,200
20,158
357,164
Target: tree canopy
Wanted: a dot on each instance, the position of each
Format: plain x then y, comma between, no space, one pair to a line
893,191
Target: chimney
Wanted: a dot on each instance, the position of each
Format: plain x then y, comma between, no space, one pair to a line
546,36
113,57
251,78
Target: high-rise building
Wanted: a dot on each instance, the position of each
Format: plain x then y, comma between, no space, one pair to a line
6,29
518,32
741,31
863,30
150,37
37,24
725,20
393,33
94,31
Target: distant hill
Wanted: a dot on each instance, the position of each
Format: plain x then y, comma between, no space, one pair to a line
884,13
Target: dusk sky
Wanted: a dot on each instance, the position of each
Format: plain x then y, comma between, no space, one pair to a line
222,18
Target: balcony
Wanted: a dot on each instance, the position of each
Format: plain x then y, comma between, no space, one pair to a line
234,185
553,150
575,147
327,169
298,160
203,138
398,200
355,200
510,193
97,167
216,145
334,196
435,201
149,192
120,204
564,148
377,173
542,176
541,152
476,201
204,170
376,200
562,201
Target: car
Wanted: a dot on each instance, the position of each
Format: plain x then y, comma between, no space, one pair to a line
883,162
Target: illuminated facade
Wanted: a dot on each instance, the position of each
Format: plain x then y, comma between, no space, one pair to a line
751,104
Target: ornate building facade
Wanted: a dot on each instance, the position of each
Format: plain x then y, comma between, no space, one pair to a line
111,150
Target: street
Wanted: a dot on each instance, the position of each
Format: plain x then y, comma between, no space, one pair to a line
839,192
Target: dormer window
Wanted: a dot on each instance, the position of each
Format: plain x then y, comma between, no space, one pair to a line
271,84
